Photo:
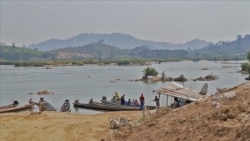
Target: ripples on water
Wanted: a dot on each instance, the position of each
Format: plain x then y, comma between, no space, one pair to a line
85,82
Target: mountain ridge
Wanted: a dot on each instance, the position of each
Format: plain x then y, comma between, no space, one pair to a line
120,40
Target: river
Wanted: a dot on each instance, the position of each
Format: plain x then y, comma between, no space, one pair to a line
86,82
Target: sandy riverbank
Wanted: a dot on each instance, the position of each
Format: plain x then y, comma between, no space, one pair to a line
56,126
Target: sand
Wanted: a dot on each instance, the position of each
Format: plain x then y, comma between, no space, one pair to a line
56,126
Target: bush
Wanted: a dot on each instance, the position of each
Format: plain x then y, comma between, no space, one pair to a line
149,71
244,66
181,78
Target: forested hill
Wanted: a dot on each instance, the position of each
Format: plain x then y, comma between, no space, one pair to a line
220,51
95,50
122,41
237,48
18,53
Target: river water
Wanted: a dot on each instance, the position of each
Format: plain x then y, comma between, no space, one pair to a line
86,82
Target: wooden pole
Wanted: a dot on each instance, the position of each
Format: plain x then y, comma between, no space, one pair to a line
167,100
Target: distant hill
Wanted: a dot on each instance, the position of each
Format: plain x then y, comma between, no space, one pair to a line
230,50
18,53
194,44
94,50
103,51
237,48
122,41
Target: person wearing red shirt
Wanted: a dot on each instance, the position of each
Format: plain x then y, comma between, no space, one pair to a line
142,101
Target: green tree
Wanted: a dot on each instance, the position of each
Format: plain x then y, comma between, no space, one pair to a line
149,71
248,56
248,69
163,76
244,66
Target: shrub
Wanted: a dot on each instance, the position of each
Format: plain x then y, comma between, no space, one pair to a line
149,71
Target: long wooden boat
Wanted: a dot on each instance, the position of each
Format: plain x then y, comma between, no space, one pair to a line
16,109
148,107
8,106
105,107
14,104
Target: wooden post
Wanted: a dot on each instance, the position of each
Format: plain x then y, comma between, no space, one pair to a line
143,112
32,109
167,100
40,106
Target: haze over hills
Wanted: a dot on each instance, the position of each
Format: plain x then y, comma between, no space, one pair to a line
122,41
223,50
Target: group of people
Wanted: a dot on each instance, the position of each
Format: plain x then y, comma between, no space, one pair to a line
45,106
178,102
135,102
129,102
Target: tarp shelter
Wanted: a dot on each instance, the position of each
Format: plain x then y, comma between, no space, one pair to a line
179,91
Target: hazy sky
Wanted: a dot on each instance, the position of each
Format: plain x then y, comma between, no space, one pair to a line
27,21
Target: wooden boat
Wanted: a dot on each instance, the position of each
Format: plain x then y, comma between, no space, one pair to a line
148,107
16,109
110,102
8,106
105,107
14,104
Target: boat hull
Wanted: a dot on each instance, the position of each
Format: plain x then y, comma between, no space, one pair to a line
148,107
8,106
105,107
16,109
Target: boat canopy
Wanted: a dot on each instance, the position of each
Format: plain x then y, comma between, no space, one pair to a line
179,91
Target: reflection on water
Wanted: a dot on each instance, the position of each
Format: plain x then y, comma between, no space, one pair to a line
86,82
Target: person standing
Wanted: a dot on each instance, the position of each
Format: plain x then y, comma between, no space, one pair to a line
123,100
142,101
157,101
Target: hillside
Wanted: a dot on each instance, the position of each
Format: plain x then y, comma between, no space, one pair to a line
94,50
122,41
18,53
223,117
238,47
231,50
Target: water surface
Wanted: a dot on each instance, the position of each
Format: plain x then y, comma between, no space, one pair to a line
85,82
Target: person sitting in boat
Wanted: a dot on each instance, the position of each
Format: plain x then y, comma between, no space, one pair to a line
15,102
136,103
123,100
129,102
91,100
77,101
104,98
117,97
66,106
